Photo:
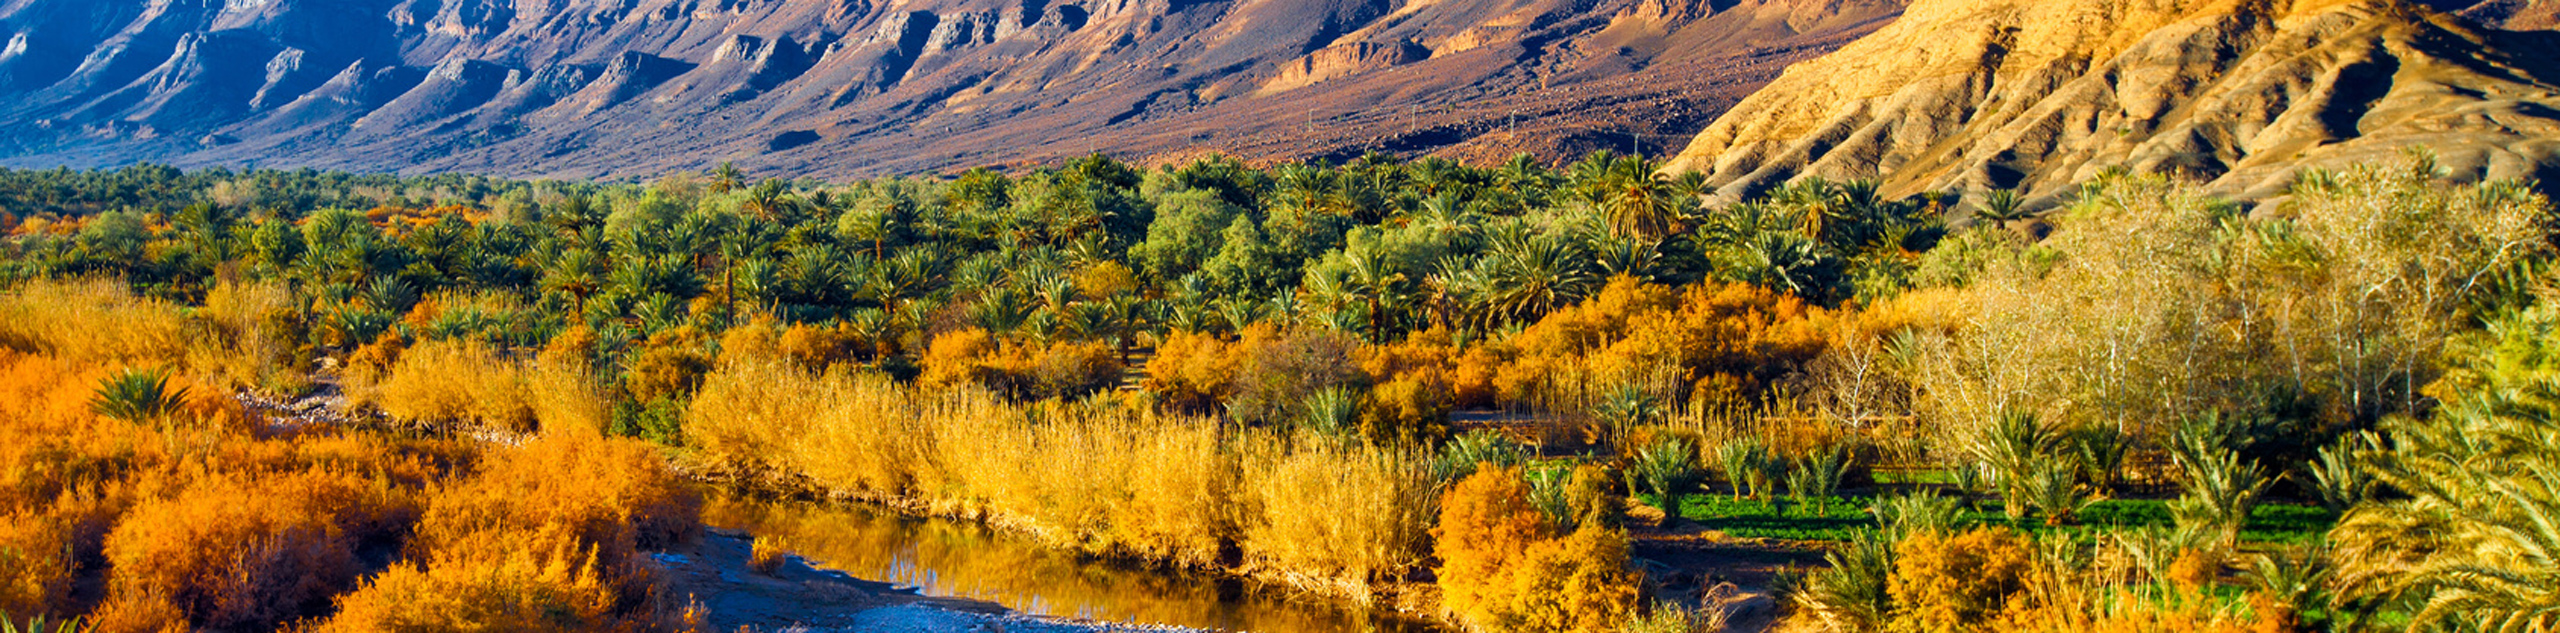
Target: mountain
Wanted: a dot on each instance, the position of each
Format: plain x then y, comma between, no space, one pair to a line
2043,94
831,88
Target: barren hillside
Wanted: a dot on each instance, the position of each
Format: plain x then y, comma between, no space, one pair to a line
1973,94
587,88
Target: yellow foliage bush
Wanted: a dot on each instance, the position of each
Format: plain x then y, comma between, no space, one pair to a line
816,347
251,337
533,583
670,365
91,321
1501,570
1576,583
960,358
613,495
1104,279
460,382
1414,390
1023,369
1486,525
38,562
138,614
1957,583
1727,342
757,338
255,526
1194,372
567,397
1409,409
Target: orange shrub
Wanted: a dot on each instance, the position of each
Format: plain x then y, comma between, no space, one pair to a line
1727,341
1022,369
1576,583
576,345
1957,583
40,558
1486,525
614,496
1412,408
960,358
1194,372
1500,571
536,582
248,554
1066,369
759,337
816,347
138,614
670,365
543,538
1473,376
1415,390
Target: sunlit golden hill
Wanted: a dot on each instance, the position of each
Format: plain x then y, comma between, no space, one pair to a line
2042,95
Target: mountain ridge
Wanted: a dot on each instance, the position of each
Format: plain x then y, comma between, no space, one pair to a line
630,88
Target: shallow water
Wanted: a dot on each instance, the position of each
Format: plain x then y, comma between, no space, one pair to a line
965,560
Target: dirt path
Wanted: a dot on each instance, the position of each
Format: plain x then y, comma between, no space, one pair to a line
1708,568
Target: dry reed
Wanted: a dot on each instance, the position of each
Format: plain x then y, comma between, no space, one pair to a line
1099,475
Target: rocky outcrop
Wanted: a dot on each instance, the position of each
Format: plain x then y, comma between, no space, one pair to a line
1344,60
2040,95
580,88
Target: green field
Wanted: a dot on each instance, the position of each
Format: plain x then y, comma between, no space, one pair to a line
1841,518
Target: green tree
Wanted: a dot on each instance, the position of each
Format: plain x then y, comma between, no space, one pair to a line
1187,231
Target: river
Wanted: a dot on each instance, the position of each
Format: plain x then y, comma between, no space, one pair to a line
965,560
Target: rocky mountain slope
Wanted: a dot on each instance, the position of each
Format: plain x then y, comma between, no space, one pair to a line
587,88
2038,94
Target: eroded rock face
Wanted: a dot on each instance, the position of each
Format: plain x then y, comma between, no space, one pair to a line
577,88
2040,95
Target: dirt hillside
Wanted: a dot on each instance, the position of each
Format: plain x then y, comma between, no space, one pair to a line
2043,94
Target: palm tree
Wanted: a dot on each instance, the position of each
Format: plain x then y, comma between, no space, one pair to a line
1374,277
2002,206
576,272
726,178
1524,181
1528,278
2014,446
1633,193
2220,490
1814,202
1669,469
770,200
2474,529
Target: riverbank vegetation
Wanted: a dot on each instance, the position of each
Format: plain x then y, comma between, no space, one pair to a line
2143,408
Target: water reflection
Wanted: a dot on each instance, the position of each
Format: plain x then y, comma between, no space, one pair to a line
950,558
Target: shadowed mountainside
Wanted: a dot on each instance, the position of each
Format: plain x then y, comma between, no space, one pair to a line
605,88
1975,94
